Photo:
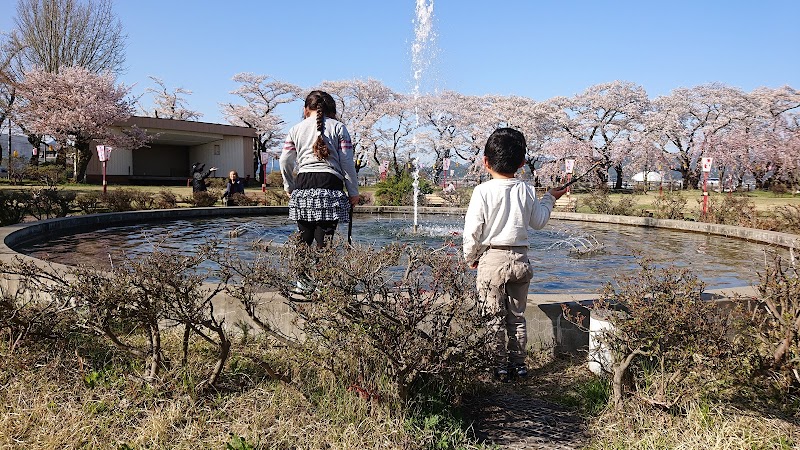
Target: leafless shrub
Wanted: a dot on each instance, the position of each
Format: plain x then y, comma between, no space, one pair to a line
239,199
406,314
136,299
668,346
669,205
51,202
26,309
166,199
49,174
274,179
275,198
204,198
458,198
88,202
366,198
13,206
776,319
788,217
729,209
119,200
600,202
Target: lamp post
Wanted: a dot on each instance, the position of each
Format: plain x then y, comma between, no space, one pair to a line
264,161
706,166
569,168
103,154
445,169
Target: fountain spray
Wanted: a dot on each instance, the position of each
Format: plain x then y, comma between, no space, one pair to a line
421,56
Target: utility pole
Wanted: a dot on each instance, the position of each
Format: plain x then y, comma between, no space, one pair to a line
8,168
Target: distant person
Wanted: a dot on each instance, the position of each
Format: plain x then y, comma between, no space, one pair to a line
234,185
199,177
495,239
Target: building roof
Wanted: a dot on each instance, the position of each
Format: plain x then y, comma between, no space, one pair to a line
185,132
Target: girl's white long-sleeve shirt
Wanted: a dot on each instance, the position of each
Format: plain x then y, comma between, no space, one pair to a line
298,153
500,212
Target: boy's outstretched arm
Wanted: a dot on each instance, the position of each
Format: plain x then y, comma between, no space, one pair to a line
557,193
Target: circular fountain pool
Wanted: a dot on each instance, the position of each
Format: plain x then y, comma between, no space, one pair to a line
718,261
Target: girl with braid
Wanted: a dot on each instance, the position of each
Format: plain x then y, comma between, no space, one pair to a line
319,151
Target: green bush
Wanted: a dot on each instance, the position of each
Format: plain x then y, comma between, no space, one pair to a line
399,191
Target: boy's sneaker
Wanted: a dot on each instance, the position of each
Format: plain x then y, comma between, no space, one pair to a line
501,374
304,285
520,371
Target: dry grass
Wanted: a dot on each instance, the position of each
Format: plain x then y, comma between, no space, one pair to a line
50,400
48,403
566,380
699,427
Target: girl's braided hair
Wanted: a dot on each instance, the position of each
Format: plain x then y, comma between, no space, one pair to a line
324,105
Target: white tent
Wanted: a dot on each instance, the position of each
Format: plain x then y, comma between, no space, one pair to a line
652,177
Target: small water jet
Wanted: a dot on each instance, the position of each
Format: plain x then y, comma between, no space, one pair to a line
580,245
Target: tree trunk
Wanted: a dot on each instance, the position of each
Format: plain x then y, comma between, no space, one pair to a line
84,155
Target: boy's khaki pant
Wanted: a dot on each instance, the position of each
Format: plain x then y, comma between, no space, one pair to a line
504,276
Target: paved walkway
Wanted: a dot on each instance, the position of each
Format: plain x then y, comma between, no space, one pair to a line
513,420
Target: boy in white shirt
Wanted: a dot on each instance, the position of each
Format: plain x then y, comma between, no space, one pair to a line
496,243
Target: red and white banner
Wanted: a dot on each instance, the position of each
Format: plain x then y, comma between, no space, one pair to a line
569,165
706,164
103,152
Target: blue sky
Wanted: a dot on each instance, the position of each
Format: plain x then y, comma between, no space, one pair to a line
538,49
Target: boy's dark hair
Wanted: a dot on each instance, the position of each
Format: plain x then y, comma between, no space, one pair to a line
505,149
324,104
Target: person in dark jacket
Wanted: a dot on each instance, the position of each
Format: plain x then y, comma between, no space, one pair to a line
235,185
199,177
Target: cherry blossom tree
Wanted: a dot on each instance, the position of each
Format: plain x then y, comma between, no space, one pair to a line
537,121
392,134
681,122
476,117
170,103
358,106
772,153
602,116
261,94
450,126
76,106
50,34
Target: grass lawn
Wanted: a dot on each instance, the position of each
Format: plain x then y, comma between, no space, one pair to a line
763,201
